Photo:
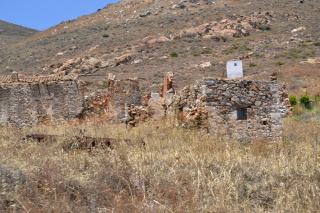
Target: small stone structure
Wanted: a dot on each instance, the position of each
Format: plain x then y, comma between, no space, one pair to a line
39,99
241,109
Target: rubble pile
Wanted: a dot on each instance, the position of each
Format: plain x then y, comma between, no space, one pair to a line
96,104
137,115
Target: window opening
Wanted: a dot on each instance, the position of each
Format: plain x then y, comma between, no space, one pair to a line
242,113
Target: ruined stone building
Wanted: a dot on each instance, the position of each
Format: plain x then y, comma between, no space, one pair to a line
242,109
39,99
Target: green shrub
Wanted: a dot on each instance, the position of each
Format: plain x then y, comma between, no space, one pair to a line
279,63
253,64
174,54
255,54
105,35
206,50
195,53
293,54
305,100
303,45
306,54
230,50
293,100
244,48
224,39
316,44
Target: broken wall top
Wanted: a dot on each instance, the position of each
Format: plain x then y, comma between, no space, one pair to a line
233,93
20,79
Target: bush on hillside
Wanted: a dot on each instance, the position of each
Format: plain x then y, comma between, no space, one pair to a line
293,100
305,100
174,54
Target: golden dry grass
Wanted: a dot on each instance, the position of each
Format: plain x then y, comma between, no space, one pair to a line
179,171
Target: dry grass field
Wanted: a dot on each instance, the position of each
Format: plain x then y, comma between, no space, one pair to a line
179,170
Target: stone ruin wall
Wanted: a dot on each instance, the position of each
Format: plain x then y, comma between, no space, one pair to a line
31,100
39,99
211,104
215,104
115,101
123,93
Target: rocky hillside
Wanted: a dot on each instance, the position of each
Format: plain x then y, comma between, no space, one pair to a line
192,38
11,33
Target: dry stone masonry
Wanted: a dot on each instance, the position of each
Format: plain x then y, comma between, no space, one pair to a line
39,99
242,109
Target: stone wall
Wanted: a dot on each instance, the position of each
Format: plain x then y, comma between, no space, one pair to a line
39,99
241,109
112,100
30,100
122,93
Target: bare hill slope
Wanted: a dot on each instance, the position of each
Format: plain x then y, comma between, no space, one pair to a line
11,33
193,38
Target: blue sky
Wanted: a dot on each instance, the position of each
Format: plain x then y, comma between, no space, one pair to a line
42,14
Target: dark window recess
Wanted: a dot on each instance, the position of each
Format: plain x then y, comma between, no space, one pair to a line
235,64
242,113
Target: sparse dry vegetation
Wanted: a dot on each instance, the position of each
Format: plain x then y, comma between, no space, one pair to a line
117,30
180,170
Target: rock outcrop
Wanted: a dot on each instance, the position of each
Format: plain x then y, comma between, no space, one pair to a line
88,64
238,26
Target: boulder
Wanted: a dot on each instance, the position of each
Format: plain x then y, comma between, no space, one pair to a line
122,59
145,13
205,64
